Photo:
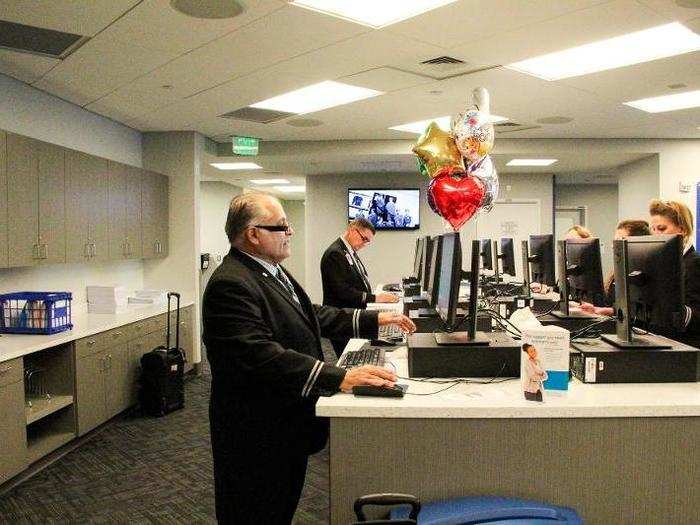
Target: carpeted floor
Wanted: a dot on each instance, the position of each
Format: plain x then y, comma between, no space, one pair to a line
144,470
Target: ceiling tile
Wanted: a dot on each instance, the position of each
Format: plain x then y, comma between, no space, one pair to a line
25,67
385,79
80,18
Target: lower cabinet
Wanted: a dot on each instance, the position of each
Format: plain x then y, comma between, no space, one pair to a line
13,430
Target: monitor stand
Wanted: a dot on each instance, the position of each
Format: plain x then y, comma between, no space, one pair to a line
462,339
573,315
638,342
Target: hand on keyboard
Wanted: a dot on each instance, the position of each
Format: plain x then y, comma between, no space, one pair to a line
367,375
396,321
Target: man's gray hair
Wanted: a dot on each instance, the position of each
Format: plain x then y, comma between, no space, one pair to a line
243,211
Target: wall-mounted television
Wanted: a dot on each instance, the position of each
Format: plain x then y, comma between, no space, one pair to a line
387,209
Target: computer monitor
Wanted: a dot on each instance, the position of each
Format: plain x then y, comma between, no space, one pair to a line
426,260
525,261
580,275
486,254
541,258
434,275
448,293
649,289
507,255
418,258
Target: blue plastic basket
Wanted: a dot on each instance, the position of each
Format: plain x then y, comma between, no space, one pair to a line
35,312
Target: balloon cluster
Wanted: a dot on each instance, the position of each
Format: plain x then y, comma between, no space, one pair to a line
463,178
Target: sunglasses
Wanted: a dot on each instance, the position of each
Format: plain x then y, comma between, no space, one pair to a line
274,227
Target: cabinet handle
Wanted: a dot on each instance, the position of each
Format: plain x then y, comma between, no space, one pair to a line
117,334
5,370
86,250
35,251
94,249
92,342
46,251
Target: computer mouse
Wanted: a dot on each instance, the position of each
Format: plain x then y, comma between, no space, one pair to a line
380,391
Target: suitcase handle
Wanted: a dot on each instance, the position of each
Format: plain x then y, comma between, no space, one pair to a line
177,321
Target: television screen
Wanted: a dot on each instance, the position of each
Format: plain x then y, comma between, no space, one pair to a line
387,209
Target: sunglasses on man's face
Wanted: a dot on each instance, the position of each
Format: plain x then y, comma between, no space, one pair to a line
274,227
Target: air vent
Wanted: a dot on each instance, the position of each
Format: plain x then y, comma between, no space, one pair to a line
38,41
443,61
263,116
507,124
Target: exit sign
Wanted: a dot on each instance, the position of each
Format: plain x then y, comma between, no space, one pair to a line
247,146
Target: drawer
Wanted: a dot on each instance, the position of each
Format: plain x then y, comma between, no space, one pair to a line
91,345
116,336
11,371
185,314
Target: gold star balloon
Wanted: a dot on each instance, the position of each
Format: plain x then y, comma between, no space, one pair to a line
437,149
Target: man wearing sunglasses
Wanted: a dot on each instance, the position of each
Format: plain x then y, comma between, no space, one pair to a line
345,280
263,341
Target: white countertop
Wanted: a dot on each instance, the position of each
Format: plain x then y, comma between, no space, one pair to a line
505,400
84,325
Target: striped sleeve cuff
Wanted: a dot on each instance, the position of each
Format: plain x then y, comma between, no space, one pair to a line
311,380
356,323
364,297
688,315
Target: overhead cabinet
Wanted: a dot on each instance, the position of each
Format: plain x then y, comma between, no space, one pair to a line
36,202
59,205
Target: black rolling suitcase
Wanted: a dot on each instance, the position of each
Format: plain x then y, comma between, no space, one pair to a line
162,388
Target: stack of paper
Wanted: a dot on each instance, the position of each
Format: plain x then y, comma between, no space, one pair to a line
107,299
148,297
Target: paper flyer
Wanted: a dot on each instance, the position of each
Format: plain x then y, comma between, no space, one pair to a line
544,361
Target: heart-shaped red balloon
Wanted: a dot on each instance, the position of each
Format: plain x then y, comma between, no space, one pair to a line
456,199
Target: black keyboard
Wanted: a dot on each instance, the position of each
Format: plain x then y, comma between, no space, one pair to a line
367,355
393,287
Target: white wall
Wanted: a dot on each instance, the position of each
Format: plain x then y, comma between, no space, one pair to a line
215,198
178,154
638,183
28,111
602,216
390,256
33,113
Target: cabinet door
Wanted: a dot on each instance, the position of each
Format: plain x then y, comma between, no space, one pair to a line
137,347
3,200
22,200
154,210
99,209
133,213
52,204
117,210
90,391
13,431
78,193
117,385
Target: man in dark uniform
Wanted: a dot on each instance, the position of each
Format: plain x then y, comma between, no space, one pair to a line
345,280
262,336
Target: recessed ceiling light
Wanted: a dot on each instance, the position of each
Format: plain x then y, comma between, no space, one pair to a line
370,12
689,99
316,97
290,189
236,166
443,122
633,48
531,162
269,181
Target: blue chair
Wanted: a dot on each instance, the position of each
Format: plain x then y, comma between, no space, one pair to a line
410,517
491,510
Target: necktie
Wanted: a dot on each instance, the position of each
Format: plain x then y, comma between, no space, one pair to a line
363,272
281,277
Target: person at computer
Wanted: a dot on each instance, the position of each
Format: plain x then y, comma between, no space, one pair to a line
625,228
263,340
673,217
534,374
344,276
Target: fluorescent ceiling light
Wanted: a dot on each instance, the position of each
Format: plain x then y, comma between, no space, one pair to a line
316,97
269,181
531,162
633,48
443,122
290,189
689,99
372,13
236,165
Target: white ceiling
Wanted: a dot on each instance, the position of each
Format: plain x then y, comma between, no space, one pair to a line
216,66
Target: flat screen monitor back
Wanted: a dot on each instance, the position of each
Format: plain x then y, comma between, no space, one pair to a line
418,261
508,256
486,254
426,258
450,278
585,271
433,279
542,259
